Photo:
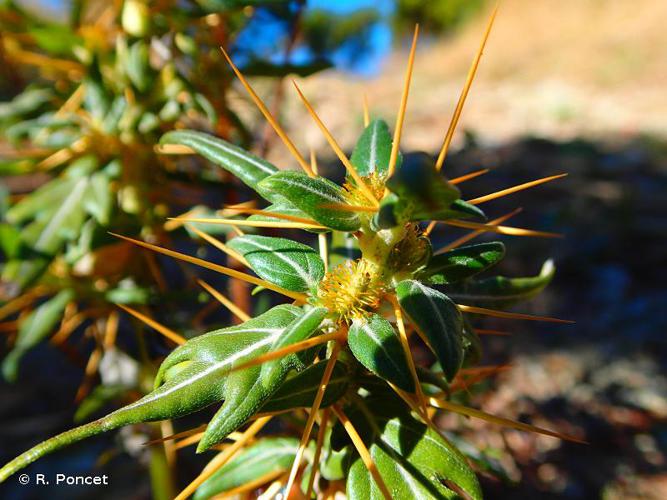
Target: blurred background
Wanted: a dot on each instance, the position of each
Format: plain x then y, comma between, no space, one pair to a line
576,86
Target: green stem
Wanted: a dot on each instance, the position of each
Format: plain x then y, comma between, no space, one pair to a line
72,436
161,478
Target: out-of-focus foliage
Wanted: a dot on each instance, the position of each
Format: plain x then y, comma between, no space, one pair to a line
437,16
90,96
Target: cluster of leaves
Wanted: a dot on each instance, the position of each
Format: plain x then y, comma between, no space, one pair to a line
277,361
104,88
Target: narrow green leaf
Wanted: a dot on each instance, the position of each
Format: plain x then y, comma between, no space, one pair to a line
312,195
138,67
249,388
372,151
461,263
376,345
195,375
300,329
244,165
97,200
500,292
49,195
413,460
48,233
438,319
283,262
26,102
33,329
299,391
272,454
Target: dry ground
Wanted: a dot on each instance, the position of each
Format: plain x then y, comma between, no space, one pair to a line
562,69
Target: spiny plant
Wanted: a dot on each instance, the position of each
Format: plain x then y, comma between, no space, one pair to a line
105,87
341,349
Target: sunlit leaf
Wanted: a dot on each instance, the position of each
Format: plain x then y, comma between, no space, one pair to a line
312,196
376,345
244,165
284,262
438,319
372,151
463,262
272,454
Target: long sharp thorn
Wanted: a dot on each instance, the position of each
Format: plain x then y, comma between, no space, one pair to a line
167,332
367,115
398,128
218,244
321,237
222,458
269,117
464,93
464,239
215,267
348,208
467,177
339,152
259,223
284,351
514,189
363,451
236,310
259,211
485,331
178,435
324,420
408,353
471,412
509,315
492,228
311,417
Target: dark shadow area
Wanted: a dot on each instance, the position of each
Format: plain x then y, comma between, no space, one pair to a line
604,378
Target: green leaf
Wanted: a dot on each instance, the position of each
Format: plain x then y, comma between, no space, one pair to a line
500,292
55,39
418,192
25,103
272,454
33,329
281,207
413,460
461,263
48,233
10,239
373,149
244,165
98,198
248,389
137,66
312,195
284,262
376,345
195,375
438,319
49,195
299,391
